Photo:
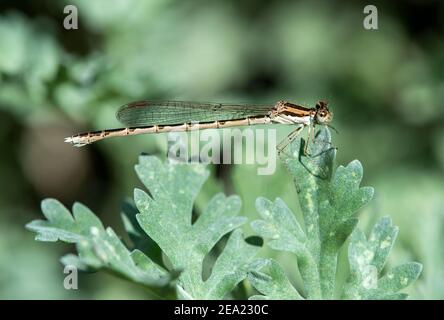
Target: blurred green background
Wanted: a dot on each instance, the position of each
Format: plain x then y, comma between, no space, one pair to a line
385,87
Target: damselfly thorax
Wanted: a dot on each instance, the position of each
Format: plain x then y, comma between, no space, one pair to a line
143,117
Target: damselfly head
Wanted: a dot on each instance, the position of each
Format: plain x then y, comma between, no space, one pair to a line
323,115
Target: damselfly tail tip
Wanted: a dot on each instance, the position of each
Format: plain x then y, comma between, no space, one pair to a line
75,141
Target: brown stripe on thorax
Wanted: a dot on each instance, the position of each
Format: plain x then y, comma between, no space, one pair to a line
291,109
296,110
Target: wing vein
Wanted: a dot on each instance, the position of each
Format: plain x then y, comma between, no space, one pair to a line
146,113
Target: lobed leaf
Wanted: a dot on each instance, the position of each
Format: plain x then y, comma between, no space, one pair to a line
367,258
274,284
329,201
279,226
165,215
98,248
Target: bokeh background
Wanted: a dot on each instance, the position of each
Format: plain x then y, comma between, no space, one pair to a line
386,88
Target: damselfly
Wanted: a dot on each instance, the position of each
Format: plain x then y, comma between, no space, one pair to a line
167,116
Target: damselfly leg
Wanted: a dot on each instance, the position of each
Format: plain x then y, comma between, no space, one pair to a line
288,139
311,139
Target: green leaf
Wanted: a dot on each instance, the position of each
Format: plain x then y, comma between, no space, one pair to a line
274,284
13,33
98,248
165,215
367,258
279,226
60,224
329,201
160,225
231,267
281,230
162,221
399,278
29,75
139,238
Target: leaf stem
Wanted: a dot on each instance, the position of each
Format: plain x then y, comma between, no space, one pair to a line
310,275
327,271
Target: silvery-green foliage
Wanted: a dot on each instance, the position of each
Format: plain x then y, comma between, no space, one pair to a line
160,226
329,202
97,247
367,258
165,215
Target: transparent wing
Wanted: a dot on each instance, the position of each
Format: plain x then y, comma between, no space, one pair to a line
147,113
